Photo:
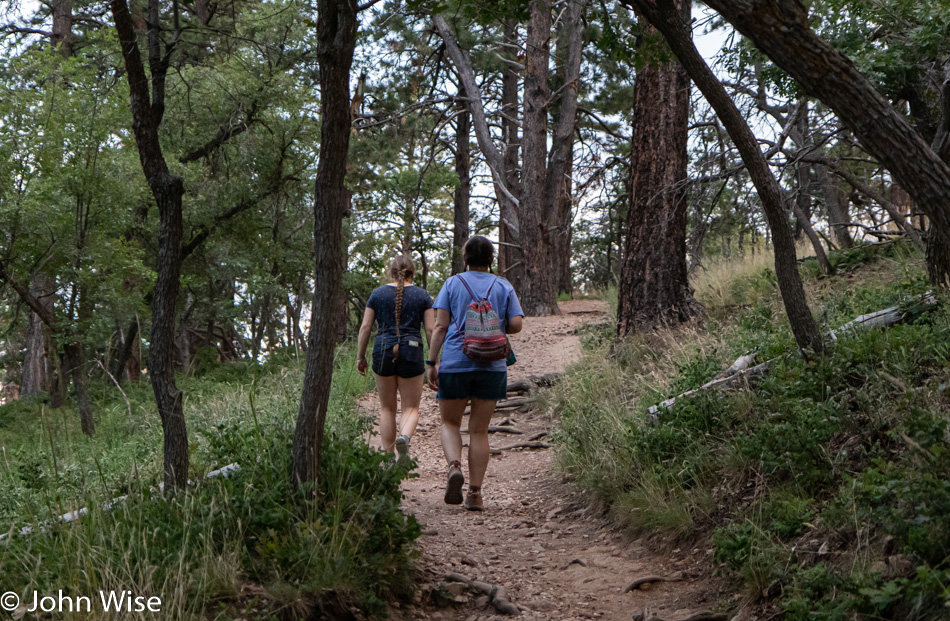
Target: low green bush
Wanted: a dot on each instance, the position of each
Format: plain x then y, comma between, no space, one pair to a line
237,546
824,487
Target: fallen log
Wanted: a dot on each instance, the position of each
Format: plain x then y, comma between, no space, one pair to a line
740,369
73,516
886,317
537,436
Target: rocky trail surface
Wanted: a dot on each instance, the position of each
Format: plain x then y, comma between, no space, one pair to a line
538,538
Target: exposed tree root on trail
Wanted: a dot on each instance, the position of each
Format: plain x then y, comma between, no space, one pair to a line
555,556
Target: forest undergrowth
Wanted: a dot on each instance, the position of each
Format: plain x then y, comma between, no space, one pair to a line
239,546
822,486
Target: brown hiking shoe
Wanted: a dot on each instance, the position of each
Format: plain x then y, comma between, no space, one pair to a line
453,488
473,499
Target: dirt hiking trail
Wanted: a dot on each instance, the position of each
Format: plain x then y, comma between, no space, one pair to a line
538,537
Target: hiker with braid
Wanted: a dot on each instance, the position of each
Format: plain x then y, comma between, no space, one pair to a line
400,311
474,311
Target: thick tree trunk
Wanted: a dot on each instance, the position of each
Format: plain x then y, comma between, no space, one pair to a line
463,193
510,260
538,294
336,40
37,375
63,26
654,285
147,111
781,30
561,157
678,34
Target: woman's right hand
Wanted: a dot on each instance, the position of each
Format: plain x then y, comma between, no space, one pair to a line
432,377
361,365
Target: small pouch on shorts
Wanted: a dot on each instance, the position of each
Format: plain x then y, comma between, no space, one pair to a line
412,350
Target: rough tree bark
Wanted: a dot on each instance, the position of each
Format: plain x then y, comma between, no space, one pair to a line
561,157
938,248
837,205
538,294
510,261
37,375
678,34
147,111
336,40
780,29
654,285
63,26
463,193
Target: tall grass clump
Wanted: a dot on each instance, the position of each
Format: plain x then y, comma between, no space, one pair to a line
822,486
240,546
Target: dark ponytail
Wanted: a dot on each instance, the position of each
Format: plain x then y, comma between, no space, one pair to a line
400,270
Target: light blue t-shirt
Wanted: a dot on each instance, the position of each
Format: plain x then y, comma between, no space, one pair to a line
455,299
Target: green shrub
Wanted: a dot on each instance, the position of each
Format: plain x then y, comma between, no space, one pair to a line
241,545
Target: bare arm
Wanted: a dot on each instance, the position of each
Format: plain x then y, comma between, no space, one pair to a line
428,323
369,316
514,324
442,319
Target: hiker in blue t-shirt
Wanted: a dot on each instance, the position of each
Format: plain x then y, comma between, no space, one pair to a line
400,310
460,379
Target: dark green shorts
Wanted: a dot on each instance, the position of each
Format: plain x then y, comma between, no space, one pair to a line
487,385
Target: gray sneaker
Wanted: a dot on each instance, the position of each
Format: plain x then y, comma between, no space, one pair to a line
402,451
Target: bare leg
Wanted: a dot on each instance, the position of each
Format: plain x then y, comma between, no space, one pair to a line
452,411
410,394
386,387
478,448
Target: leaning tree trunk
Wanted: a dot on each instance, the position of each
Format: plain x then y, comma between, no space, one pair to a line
561,157
463,193
781,30
508,201
654,285
538,293
336,40
167,189
678,34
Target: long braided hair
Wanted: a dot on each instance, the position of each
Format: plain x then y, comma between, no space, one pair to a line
400,270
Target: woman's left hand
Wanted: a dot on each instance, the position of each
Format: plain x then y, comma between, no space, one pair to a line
432,377
361,366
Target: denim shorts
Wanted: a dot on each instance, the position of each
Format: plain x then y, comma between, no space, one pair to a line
408,364
487,385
